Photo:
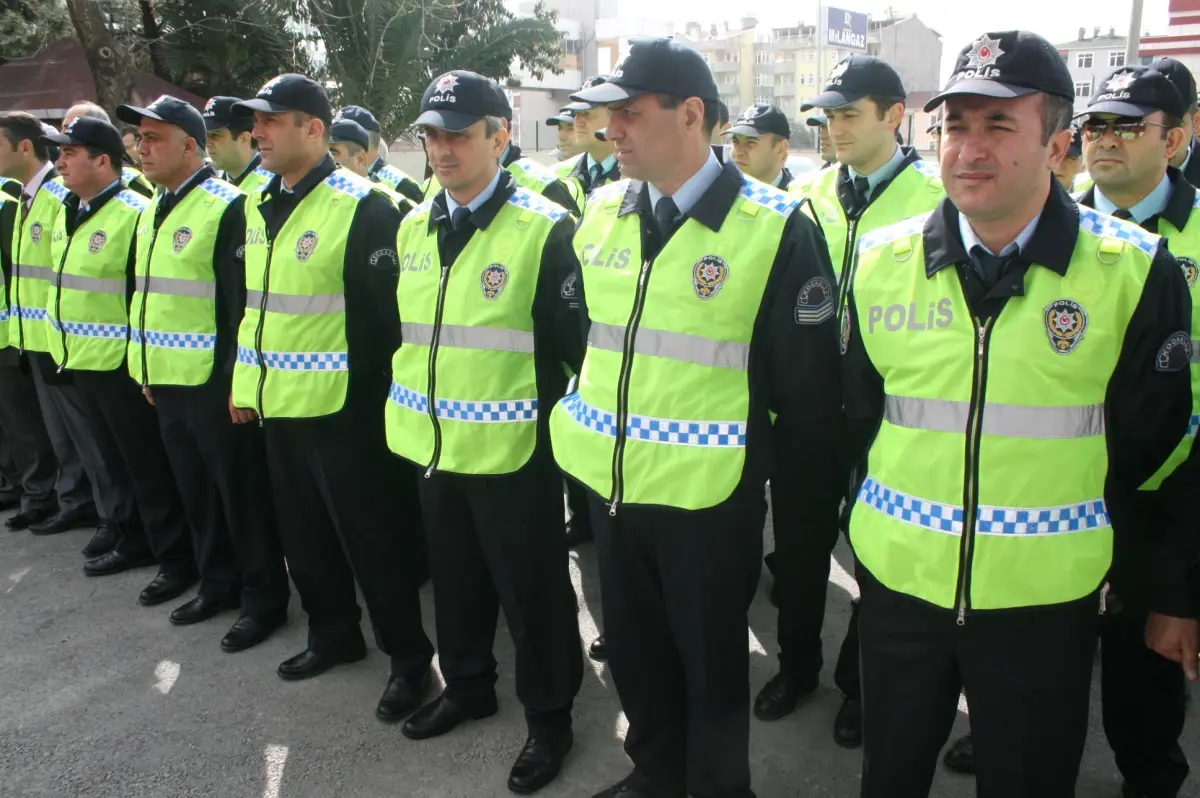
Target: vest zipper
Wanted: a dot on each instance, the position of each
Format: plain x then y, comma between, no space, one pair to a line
971,486
62,331
635,316
262,318
433,350
847,267
145,301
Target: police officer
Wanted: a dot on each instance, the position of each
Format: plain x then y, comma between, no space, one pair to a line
668,430
824,143
189,298
1185,83
760,145
313,350
567,150
935,131
1072,162
598,164
232,148
976,366
93,245
488,300
348,143
130,176
380,170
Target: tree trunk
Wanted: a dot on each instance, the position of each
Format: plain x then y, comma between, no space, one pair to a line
151,32
113,67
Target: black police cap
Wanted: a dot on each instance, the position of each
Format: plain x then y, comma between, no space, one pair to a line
171,110
459,99
935,125
1005,65
365,119
759,119
817,120
1135,91
590,83
348,131
1180,76
654,65
856,77
565,118
218,112
289,92
601,134
86,131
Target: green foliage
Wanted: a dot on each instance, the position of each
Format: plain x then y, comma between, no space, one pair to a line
28,26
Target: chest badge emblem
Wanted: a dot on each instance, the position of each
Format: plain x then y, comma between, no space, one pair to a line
181,238
97,241
492,280
305,246
708,275
1066,322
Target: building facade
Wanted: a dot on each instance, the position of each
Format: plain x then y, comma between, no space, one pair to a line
1090,59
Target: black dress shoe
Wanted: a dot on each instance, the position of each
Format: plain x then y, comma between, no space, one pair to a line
597,650
847,726
579,532
309,663
780,696
79,518
27,518
539,762
961,756
623,789
1131,792
250,630
443,714
166,586
201,608
115,562
402,697
104,541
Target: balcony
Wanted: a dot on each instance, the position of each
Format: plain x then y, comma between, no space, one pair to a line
729,89
785,91
794,43
719,67
784,67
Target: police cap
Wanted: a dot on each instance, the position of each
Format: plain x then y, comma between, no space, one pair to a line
289,92
854,78
591,82
817,120
654,65
87,131
1005,65
365,119
218,112
759,119
348,131
1180,76
171,110
1135,91
564,117
456,100
1075,148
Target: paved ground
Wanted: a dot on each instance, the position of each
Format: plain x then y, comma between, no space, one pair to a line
101,697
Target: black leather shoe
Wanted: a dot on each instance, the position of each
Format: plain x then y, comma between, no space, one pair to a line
960,757
539,762
104,541
1131,792
201,608
79,518
166,586
579,532
248,631
115,562
309,663
623,789
847,726
402,697
780,696
27,518
443,714
597,650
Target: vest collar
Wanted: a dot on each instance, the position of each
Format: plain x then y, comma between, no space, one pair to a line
250,167
482,216
322,170
710,210
511,155
74,220
1052,245
845,186
1179,204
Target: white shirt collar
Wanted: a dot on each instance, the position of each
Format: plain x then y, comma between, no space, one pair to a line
31,188
1150,205
693,189
186,183
480,198
970,240
885,172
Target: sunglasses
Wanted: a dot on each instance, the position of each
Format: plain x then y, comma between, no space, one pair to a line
1123,128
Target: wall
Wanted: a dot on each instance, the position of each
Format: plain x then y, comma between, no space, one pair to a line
915,51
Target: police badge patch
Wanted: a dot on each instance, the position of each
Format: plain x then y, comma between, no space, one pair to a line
492,280
1066,322
1190,269
305,246
35,232
708,275
97,241
181,238
815,303
568,286
1175,354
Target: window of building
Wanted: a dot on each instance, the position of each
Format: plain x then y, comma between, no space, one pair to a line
762,99
731,78
763,79
1116,58
762,57
788,79
1083,60
1146,60
1083,88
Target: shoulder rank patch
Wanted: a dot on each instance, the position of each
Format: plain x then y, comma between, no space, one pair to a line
1175,354
816,302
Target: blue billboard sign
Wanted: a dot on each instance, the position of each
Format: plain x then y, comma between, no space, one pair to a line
846,29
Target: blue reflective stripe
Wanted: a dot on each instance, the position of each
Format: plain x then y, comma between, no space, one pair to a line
296,361
33,314
1106,226
730,434
87,329
170,340
948,518
1194,424
3,314
456,410
768,197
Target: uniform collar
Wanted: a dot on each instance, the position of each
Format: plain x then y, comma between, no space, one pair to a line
482,213
1177,208
606,165
376,166
90,208
480,198
44,174
1148,206
885,172
1018,244
692,189
1052,243
198,177
322,170
512,154
709,210
250,167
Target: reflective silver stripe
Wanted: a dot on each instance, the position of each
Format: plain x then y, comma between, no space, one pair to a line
672,345
1195,351
493,339
1010,421
178,286
298,305
94,285
33,272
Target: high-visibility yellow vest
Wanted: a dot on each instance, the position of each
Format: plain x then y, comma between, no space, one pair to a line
33,266
136,182
660,415
537,178
16,209
984,486
88,297
394,178
464,390
293,360
173,314
253,182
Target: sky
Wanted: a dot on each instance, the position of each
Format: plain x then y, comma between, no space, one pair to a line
959,23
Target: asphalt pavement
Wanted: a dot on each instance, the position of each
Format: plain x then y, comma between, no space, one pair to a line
101,697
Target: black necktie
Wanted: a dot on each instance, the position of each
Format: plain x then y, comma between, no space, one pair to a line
459,218
988,266
862,191
26,204
597,171
665,213
1121,213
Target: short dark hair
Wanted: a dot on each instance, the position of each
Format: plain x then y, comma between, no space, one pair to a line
883,102
712,110
96,152
18,126
1056,115
722,113
1170,122
130,130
